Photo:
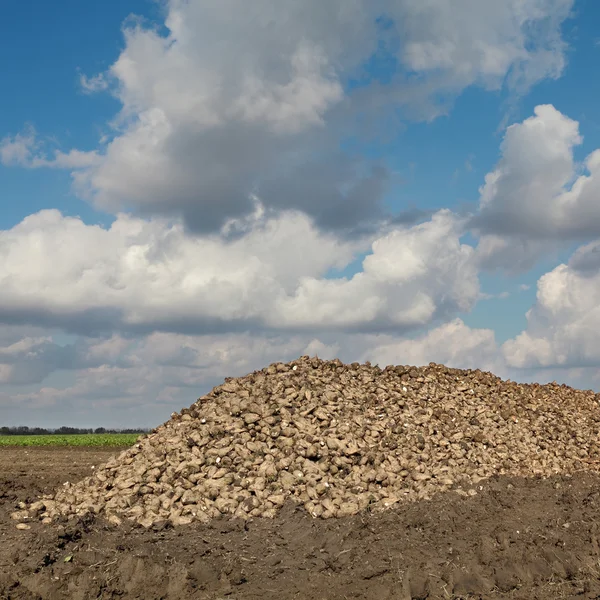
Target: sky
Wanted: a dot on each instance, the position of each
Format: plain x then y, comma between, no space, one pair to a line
194,189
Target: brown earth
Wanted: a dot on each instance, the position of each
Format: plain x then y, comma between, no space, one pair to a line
517,538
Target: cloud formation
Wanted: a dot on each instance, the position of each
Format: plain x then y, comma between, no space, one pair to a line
538,196
110,379
453,344
236,195
141,275
563,323
237,99
27,150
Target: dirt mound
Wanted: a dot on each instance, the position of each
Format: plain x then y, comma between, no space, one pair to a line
338,439
517,539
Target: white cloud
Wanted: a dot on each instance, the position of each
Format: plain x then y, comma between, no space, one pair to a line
91,85
453,344
142,275
74,159
482,42
17,150
234,120
240,99
244,292
29,355
515,254
537,197
563,323
31,360
26,150
123,382
411,277
139,381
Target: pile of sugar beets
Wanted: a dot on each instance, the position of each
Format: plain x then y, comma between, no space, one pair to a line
337,439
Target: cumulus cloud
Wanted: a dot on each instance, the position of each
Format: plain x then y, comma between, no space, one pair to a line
74,159
165,371
453,344
410,278
238,99
143,275
27,150
17,150
231,127
538,196
563,323
28,355
484,42
112,378
91,85
140,380
31,360
515,254
115,377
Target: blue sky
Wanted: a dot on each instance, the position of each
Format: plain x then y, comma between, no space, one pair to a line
204,118
41,66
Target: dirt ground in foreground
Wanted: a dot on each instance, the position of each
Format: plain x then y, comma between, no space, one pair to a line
527,539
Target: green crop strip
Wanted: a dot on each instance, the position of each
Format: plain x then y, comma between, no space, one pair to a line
107,440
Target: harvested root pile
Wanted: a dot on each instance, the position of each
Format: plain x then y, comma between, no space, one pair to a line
337,439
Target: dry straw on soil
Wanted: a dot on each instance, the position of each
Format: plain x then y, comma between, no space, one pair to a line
338,439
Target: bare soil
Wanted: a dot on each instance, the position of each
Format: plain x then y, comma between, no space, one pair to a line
517,538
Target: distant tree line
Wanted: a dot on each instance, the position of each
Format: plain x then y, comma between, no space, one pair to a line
24,430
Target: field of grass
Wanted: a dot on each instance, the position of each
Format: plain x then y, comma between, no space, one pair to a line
87,439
